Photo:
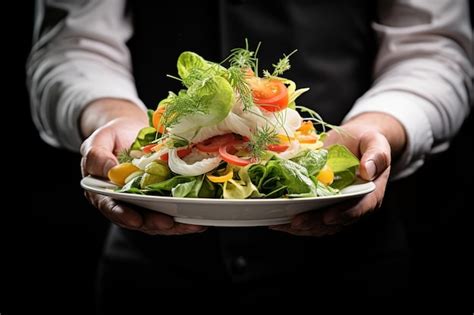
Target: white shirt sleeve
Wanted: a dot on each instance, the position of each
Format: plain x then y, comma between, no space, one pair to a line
422,74
78,55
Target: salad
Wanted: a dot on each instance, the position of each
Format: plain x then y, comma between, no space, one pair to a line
231,133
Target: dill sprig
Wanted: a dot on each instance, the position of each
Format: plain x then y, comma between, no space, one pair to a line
281,66
318,120
261,139
244,58
239,84
181,106
241,61
124,156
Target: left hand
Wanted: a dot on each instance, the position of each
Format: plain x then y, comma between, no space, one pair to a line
374,138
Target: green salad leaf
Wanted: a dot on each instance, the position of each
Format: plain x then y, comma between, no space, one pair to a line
145,136
193,68
280,177
240,188
205,103
312,160
344,165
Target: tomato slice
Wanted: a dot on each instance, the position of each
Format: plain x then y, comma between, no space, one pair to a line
271,95
213,144
181,154
149,148
231,158
278,147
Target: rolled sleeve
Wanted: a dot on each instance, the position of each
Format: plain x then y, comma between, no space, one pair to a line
422,75
79,55
408,110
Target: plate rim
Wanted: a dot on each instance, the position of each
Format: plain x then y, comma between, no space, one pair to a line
108,192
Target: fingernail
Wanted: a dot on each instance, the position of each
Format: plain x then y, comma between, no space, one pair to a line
107,166
371,169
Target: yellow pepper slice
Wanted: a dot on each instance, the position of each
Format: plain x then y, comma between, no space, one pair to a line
221,179
326,175
120,172
284,138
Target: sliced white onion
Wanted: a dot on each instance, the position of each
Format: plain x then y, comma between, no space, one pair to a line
238,125
232,123
292,151
142,162
178,166
133,175
196,156
293,119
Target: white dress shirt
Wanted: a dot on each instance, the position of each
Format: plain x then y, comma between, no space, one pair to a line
422,76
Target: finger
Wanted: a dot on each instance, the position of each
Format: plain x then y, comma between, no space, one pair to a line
375,151
99,161
350,212
308,223
97,152
317,231
332,215
345,138
370,202
118,213
181,228
159,223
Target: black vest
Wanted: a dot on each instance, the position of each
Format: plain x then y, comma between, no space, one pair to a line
336,48
334,40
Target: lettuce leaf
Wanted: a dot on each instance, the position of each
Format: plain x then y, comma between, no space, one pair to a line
193,68
344,165
282,177
145,136
240,188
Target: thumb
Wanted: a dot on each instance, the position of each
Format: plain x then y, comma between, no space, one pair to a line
97,154
375,151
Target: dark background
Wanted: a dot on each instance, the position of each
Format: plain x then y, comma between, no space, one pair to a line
65,235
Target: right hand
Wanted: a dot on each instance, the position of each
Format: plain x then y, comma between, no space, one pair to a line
99,150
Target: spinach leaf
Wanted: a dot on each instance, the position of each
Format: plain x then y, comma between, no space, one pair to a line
312,160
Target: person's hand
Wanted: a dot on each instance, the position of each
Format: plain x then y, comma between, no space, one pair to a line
111,126
375,138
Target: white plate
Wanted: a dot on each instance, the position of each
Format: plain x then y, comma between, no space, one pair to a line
227,212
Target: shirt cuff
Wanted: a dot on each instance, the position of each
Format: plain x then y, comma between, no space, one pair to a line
408,109
83,95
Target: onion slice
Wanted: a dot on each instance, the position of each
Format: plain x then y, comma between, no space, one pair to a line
178,166
292,151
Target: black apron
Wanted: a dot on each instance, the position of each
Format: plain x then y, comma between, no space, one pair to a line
336,48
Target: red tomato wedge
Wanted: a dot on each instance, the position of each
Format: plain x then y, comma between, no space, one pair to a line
181,153
231,158
213,144
278,147
271,95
